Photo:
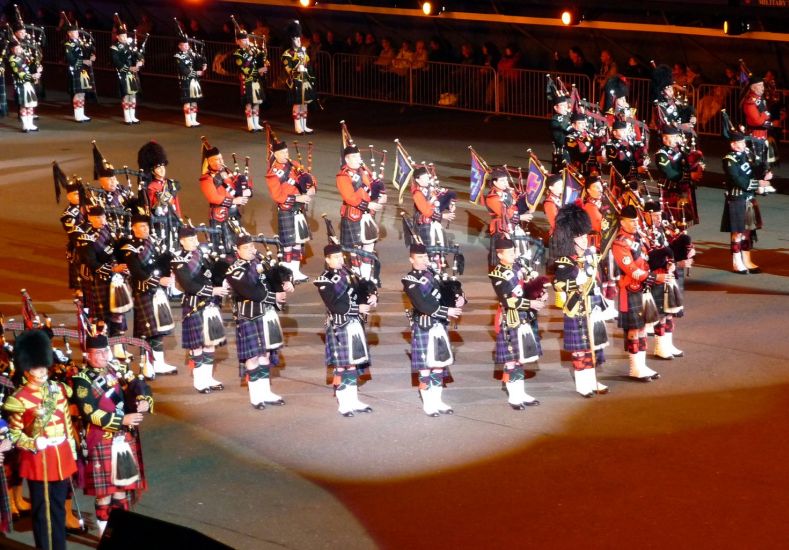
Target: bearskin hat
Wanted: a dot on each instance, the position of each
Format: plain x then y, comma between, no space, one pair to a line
331,248
615,88
662,77
293,30
150,155
32,349
571,221
99,341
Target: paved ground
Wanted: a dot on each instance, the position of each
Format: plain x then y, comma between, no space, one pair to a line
694,459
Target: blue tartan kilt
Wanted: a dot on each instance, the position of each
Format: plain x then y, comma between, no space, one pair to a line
350,232
192,330
186,95
144,320
633,318
294,95
658,293
338,349
97,297
424,232
250,338
128,85
75,83
286,225
503,354
98,470
419,340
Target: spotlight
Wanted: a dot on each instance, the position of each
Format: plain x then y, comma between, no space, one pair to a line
570,17
735,26
307,3
429,8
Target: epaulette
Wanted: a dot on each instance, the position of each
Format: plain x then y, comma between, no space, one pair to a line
14,405
128,246
180,257
731,156
501,272
564,260
87,237
83,375
238,265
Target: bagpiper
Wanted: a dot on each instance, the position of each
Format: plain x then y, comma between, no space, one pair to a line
202,329
758,122
521,295
636,279
292,188
432,207
79,58
72,220
161,194
258,330
40,426
561,126
431,352
553,201
149,266
669,110
627,157
741,216
362,196
25,78
579,144
111,414
191,66
226,192
681,169
668,296
301,81
114,197
506,210
127,62
577,280
251,62
96,247
348,302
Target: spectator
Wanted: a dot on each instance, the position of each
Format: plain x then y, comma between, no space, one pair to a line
196,30
468,80
608,68
437,52
370,46
635,68
387,55
316,45
357,43
693,75
730,76
575,62
420,76
403,60
490,59
508,76
332,45
680,73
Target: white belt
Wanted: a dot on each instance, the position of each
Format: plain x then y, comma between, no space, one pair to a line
55,441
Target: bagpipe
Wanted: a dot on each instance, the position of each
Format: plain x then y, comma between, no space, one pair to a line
364,287
88,44
271,262
197,47
37,41
756,150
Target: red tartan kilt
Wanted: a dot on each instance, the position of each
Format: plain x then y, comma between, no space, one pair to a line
98,469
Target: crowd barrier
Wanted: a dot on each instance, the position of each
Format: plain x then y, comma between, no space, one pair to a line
457,86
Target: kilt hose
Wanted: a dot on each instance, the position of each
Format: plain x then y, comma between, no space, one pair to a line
98,468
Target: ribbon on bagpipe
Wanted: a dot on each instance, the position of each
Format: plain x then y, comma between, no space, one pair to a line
403,170
480,172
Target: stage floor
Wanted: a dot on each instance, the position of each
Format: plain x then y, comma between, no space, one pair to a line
695,459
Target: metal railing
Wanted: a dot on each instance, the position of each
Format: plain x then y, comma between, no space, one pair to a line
476,88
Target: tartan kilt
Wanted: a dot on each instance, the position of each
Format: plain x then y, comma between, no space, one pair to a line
337,351
250,338
192,330
294,94
502,354
633,318
286,224
128,85
248,96
144,320
98,469
73,275
5,505
659,294
419,341
186,95
75,82
3,98
25,99
423,229
350,232
97,297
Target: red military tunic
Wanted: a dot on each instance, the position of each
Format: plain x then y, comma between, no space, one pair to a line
282,186
354,187
155,187
756,117
592,208
23,409
501,205
425,207
551,207
631,257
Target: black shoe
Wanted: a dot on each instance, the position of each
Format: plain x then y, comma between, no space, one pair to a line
204,390
218,387
348,414
367,409
601,392
447,411
663,358
741,272
532,403
278,402
309,132
433,415
655,376
754,270
518,406
259,406
587,395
